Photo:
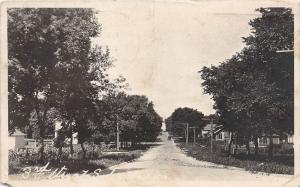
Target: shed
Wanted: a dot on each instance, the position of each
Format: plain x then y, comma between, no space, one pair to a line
16,140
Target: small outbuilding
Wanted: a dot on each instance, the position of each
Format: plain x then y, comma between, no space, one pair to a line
16,140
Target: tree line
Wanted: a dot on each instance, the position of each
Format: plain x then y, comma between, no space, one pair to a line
56,73
253,91
176,122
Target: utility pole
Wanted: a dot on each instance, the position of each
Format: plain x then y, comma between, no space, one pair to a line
194,129
187,133
118,131
118,135
211,136
194,135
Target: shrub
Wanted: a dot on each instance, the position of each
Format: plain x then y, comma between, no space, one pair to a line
252,164
18,159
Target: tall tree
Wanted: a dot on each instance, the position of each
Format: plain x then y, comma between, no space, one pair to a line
52,63
253,91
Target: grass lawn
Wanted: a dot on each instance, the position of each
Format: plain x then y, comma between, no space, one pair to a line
261,164
103,162
75,166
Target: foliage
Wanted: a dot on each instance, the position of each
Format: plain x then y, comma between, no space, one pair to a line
95,159
191,116
138,121
56,75
52,64
252,165
253,90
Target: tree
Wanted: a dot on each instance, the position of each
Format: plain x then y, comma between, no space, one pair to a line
53,64
271,32
184,115
136,116
253,89
31,48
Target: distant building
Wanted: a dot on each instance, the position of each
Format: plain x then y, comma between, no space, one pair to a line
290,138
222,135
16,140
207,129
219,134
264,139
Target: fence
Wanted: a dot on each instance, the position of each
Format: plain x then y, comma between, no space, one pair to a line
33,143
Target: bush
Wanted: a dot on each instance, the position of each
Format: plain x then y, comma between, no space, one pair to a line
270,167
252,164
95,159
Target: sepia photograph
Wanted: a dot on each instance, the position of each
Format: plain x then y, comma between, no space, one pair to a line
150,93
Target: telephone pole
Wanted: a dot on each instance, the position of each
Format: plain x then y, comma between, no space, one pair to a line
187,133
194,128
186,130
211,136
118,130
118,135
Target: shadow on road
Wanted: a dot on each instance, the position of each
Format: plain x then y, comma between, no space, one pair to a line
127,170
110,171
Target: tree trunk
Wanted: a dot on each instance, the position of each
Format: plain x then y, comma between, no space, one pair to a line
59,153
93,151
41,151
42,144
256,146
71,139
71,145
236,144
248,144
270,151
230,143
83,150
41,125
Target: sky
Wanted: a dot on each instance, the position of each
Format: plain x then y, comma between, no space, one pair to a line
160,46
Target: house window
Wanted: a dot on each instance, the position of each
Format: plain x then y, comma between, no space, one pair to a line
290,139
263,141
276,140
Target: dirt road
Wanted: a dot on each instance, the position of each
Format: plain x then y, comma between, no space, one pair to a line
166,165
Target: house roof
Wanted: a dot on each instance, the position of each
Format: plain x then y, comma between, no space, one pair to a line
219,130
209,126
267,135
17,133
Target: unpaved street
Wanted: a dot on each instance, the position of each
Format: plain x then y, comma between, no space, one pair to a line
166,165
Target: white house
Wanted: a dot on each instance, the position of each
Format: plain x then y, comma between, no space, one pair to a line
290,138
16,140
222,135
264,140
207,129
218,131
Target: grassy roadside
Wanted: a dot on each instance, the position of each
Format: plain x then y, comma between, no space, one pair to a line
95,166
248,163
103,162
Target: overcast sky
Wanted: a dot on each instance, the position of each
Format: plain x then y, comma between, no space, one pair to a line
160,46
